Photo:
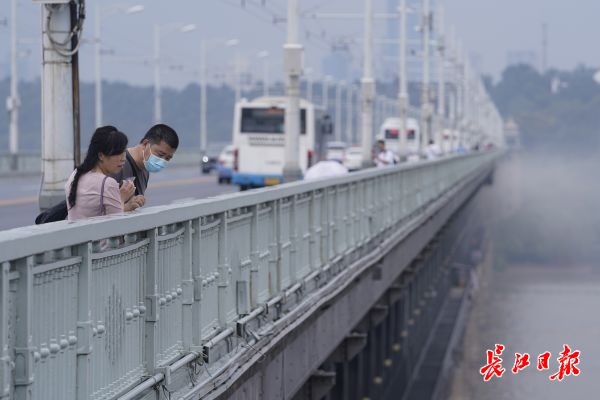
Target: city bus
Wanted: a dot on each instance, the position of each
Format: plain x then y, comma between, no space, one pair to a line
259,140
390,133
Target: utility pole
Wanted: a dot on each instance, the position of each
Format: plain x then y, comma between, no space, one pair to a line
325,92
426,111
309,85
13,102
97,72
441,75
403,91
349,135
293,68
367,86
264,56
57,103
157,99
338,111
203,98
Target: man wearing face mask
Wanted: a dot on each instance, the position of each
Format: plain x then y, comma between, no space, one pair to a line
151,155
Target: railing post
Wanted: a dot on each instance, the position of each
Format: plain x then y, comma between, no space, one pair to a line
197,285
187,302
151,302
312,232
275,250
293,242
254,258
5,360
84,321
23,336
223,271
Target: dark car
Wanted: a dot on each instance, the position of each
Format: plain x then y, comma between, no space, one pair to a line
210,157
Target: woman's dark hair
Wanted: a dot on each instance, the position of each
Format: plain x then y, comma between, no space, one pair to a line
106,140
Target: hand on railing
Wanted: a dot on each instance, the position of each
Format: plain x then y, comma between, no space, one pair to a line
134,203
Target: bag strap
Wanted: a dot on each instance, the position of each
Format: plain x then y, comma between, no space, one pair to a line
102,206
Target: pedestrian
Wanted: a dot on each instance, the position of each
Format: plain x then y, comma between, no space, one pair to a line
432,151
151,155
383,157
91,190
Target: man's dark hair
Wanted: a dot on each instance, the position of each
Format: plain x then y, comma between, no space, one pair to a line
162,133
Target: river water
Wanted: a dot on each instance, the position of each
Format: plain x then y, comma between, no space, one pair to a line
541,287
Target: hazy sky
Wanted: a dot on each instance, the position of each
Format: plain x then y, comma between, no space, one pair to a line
488,28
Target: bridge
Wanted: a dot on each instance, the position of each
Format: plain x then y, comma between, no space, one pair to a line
266,294
352,287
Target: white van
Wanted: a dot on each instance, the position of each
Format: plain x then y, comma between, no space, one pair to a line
390,133
259,140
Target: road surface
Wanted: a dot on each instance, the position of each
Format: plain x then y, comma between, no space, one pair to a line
19,195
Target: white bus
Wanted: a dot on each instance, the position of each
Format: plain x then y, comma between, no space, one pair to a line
259,140
390,133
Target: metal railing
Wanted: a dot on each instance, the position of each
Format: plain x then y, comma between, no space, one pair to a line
92,309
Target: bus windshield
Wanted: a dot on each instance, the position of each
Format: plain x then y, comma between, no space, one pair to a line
392,133
267,120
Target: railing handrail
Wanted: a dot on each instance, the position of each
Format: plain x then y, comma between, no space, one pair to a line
34,239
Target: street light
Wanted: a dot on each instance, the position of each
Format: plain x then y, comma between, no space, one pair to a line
236,68
104,12
338,110
159,30
13,101
203,87
264,55
309,84
325,91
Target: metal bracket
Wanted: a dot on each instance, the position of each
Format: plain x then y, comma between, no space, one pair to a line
378,314
321,383
349,348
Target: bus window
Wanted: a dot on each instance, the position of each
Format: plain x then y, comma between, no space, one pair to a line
391,133
267,120
410,134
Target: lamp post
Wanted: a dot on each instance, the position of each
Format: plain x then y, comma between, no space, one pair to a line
158,31
367,86
441,64
264,56
338,110
99,14
309,84
236,69
425,105
403,92
325,91
293,52
349,135
203,89
13,101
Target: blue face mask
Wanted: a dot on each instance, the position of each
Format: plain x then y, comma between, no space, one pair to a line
154,163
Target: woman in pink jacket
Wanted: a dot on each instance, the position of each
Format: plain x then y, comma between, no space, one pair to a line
91,191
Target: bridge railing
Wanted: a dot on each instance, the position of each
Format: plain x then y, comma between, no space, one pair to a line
90,309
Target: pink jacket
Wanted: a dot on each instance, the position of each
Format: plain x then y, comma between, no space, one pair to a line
87,202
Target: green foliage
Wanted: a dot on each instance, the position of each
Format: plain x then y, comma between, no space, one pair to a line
565,118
